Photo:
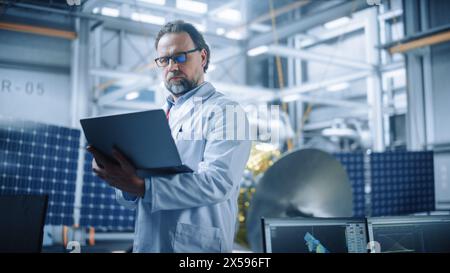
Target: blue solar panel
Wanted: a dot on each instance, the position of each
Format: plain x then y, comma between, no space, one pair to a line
37,158
99,207
354,165
402,183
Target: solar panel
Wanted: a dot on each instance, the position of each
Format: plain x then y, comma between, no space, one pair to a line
99,207
37,158
402,183
354,165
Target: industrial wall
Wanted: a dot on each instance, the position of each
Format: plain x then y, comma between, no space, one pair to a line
429,91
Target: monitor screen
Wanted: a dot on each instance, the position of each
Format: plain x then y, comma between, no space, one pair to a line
424,234
22,223
314,235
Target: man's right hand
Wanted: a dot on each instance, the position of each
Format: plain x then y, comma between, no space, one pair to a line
121,175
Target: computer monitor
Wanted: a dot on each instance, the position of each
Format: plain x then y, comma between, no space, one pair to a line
423,234
22,222
314,235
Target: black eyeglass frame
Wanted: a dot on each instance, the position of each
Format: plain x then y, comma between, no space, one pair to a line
172,57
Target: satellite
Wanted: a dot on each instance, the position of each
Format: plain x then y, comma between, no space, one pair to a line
314,245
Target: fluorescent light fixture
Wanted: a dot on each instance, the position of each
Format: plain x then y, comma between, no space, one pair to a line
220,31
260,27
235,35
337,23
132,96
212,67
229,14
96,10
147,18
193,6
110,12
338,87
395,73
290,98
156,2
257,51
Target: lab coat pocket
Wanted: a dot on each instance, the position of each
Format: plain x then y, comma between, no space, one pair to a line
192,238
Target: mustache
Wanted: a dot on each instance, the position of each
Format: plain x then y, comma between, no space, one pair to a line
174,74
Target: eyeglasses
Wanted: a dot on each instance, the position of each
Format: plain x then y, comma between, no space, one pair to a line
180,57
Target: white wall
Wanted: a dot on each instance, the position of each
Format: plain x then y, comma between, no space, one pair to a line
35,77
36,96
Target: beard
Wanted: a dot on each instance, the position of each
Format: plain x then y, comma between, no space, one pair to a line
180,87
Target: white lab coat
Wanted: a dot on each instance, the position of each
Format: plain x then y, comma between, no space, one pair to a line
194,212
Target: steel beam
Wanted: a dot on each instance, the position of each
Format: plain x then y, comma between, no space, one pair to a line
309,22
135,105
374,90
119,93
109,73
308,87
284,51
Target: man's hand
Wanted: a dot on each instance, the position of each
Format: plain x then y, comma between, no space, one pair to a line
122,175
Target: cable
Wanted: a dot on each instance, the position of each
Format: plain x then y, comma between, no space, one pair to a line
289,142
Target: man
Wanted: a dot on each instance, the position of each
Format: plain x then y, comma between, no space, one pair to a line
187,212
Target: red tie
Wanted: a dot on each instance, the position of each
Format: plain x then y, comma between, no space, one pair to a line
168,113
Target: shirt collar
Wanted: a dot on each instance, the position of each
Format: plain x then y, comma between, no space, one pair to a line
203,90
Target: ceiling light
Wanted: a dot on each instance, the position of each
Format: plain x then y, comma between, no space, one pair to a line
220,31
212,67
291,98
337,23
338,87
132,96
235,35
229,14
257,51
156,2
193,6
147,18
260,27
110,12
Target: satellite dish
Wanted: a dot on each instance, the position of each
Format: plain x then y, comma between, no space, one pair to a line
303,183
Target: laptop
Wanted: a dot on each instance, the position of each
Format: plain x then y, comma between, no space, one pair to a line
143,137
406,234
314,235
22,224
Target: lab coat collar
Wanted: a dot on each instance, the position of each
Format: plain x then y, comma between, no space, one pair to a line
204,90
184,106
